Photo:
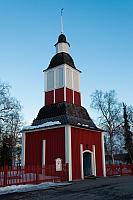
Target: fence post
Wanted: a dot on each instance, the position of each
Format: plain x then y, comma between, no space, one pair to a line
131,169
121,169
37,171
5,175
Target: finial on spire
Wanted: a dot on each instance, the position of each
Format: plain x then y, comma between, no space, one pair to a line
62,20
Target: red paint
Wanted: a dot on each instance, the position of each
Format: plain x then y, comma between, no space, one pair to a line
69,95
49,97
77,99
18,175
59,95
87,138
55,146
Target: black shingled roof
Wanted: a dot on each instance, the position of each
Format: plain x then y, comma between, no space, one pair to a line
62,38
61,58
65,113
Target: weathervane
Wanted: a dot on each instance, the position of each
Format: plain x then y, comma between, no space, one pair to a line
62,20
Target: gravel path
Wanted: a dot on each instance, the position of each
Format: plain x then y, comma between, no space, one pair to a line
110,188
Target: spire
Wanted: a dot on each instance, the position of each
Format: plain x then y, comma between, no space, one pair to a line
62,45
62,21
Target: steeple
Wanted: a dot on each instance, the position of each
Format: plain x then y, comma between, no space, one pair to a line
61,17
62,45
62,79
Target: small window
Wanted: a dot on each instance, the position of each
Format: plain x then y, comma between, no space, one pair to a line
69,78
59,77
76,81
50,80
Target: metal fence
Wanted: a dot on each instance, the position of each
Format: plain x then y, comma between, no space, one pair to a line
121,169
32,175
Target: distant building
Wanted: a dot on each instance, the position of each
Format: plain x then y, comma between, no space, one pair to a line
63,129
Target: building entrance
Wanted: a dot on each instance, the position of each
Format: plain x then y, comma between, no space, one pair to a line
87,164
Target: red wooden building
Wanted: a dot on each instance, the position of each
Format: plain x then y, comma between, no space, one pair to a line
63,128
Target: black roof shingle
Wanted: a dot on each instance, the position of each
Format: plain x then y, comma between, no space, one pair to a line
65,113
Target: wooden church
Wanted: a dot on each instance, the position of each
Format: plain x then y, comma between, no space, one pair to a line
63,129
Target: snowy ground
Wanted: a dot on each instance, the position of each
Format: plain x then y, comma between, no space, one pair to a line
28,188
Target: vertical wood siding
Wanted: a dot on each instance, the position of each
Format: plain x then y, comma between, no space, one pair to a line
49,97
55,146
77,99
59,95
69,95
87,138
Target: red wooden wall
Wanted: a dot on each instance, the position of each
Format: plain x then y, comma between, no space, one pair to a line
87,138
59,95
77,99
49,97
55,146
69,95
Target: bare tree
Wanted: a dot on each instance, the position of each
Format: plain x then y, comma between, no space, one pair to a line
10,123
110,118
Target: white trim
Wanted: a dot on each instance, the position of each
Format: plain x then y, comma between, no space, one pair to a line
65,94
87,129
42,129
73,96
81,161
94,160
43,152
87,151
23,149
64,83
54,95
44,98
53,127
68,150
103,154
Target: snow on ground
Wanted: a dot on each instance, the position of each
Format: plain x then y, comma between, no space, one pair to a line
28,188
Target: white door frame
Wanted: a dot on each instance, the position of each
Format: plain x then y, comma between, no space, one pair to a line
93,160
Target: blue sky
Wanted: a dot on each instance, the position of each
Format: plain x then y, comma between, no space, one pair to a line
101,36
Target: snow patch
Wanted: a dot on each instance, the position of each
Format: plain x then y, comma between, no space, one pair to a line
29,187
41,125
84,125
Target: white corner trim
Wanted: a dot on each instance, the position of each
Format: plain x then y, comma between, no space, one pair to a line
54,71
23,148
43,152
94,160
73,96
103,154
81,161
65,94
68,150
44,98
54,95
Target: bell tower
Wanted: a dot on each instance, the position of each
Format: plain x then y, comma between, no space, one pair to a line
63,129
62,79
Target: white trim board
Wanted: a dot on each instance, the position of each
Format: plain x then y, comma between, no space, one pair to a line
68,150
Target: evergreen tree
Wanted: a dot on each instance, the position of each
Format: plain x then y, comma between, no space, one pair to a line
128,135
